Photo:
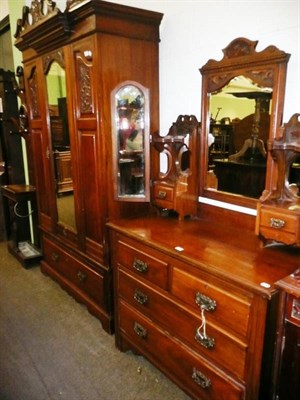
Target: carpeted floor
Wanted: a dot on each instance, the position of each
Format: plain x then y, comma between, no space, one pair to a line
51,348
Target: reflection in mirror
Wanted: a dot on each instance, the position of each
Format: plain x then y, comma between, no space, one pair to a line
61,150
239,130
131,142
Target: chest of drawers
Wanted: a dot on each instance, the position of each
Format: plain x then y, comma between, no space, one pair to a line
195,306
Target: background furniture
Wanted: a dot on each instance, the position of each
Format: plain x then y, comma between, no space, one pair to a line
23,242
84,52
288,339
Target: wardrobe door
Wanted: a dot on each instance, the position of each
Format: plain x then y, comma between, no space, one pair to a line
90,162
37,143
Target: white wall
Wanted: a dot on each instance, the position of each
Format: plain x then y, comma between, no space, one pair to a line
192,31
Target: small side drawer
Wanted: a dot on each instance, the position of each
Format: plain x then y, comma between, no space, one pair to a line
162,192
80,275
222,306
279,226
144,262
196,375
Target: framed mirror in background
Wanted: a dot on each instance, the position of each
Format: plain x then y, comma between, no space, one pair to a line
242,107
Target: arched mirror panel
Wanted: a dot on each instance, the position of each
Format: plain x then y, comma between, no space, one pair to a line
130,121
242,105
60,150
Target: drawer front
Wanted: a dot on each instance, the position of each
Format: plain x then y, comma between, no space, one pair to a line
278,226
163,193
84,278
144,262
222,306
228,352
196,376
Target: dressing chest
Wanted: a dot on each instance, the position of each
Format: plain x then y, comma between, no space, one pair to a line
197,305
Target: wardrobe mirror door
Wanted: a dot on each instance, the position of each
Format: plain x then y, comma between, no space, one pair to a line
61,147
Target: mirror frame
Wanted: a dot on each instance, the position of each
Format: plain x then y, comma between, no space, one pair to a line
267,68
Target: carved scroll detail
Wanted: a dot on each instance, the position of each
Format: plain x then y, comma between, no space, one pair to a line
39,10
33,89
57,56
85,87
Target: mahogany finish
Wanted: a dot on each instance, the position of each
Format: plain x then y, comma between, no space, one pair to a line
171,276
100,45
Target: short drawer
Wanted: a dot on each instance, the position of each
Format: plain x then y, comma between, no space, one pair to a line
223,306
78,274
225,350
279,226
162,192
198,377
144,262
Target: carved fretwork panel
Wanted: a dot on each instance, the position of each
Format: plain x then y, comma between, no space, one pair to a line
239,54
33,94
85,91
57,56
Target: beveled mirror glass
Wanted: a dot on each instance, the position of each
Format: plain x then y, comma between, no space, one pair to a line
60,142
242,107
130,121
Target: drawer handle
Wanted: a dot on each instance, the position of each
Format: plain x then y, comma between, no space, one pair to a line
140,330
140,297
204,340
140,266
55,256
205,301
201,335
277,223
162,194
81,276
201,379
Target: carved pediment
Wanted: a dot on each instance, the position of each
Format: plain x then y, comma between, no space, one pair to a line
52,24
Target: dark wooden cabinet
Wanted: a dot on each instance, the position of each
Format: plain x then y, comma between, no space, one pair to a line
287,366
197,304
81,55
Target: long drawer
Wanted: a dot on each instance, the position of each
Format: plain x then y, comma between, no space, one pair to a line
190,370
223,305
84,278
225,350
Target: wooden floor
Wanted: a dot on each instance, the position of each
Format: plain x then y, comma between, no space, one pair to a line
52,348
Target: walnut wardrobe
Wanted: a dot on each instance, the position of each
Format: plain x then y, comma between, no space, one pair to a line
73,62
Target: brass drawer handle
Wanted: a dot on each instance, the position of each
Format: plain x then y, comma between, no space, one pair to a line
140,266
81,276
204,340
205,302
140,297
162,194
140,330
55,256
201,379
277,223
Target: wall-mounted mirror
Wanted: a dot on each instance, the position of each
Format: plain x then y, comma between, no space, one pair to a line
242,106
60,142
130,121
